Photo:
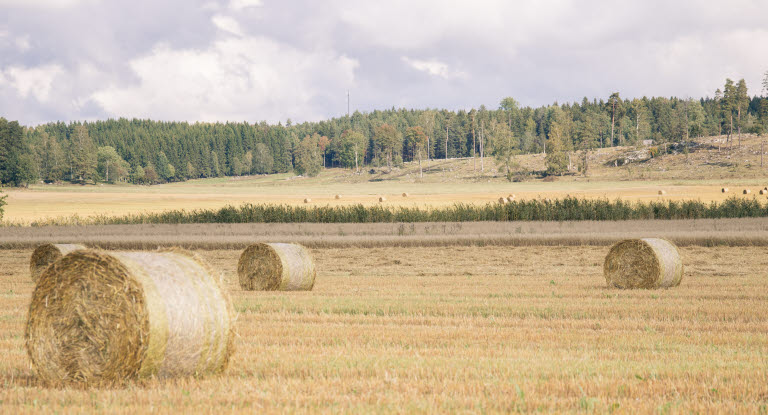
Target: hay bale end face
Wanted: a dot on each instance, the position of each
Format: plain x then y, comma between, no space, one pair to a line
276,266
45,255
747,191
101,318
724,190
643,263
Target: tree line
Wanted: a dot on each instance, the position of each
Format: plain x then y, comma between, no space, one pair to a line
150,152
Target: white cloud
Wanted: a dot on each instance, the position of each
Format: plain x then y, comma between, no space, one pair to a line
434,67
251,78
227,24
36,81
243,4
45,4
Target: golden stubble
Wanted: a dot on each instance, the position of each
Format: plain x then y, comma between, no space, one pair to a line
456,329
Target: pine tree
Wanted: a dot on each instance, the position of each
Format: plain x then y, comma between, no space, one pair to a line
16,167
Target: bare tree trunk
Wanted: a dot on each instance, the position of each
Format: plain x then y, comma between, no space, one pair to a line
474,160
357,168
613,120
739,126
421,172
446,141
482,146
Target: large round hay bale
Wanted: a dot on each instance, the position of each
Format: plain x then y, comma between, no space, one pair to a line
502,200
338,197
662,192
101,318
307,200
511,197
382,199
763,192
405,194
276,266
47,254
747,191
724,190
643,263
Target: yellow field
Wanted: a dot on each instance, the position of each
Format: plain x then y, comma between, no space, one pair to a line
456,329
49,201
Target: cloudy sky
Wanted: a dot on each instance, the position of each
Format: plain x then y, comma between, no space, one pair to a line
254,60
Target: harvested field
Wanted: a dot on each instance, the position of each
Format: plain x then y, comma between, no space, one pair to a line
456,329
706,232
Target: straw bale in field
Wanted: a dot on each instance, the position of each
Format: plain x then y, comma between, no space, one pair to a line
662,192
747,191
405,194
47,254
511,197
382,199
101,318
307,200
643,263
503,200
763,192
276,266
724,190
338,196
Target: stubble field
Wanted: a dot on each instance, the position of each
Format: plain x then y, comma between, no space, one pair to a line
456,329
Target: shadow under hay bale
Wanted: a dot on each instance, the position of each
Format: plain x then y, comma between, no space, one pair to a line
643,263
100,318
276,266
47,254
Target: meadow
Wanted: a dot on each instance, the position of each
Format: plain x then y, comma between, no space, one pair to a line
455,329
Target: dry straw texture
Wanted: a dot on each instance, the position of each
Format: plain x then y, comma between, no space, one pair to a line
100,318
46,255
643,263
276,266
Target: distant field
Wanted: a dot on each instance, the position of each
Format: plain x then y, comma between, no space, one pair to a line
699,176
455,329
48,201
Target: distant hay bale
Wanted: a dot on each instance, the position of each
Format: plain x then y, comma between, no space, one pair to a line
747,191
101,318
763,192
307,200
502,200
511,197
643,263
724,190
338,197
405,194
276,266
662,192
46,255
382,199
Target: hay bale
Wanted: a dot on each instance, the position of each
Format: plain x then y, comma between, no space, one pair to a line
662,192
100,318
502,200
405,194
338,197
307,200
724,190
382,199
643,263
276,266
47,254
511,197
747,191
763,192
